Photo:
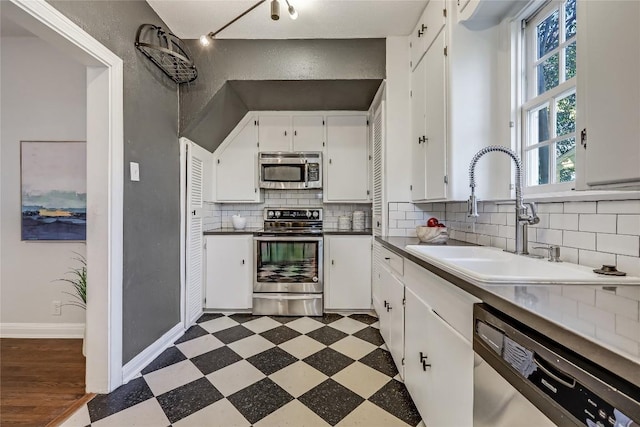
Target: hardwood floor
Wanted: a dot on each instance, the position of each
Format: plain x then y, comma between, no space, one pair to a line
39,379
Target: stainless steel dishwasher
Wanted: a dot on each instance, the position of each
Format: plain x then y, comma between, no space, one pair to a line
524,379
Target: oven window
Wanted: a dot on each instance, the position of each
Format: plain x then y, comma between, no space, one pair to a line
287,262
283,173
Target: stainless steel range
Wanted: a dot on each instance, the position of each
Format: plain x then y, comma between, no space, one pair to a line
288,278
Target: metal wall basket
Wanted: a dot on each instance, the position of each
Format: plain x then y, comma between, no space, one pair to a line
167,51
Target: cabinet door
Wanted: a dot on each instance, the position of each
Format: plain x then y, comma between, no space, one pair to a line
386,281
611,98
308,133
274,133
348,261
418,128
228,274
347,177
236,168
435,128
429,25
396,323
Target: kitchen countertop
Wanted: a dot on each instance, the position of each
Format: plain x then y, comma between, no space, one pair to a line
326,231
599,323
332,231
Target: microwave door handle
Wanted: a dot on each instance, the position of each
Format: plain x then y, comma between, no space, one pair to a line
306,174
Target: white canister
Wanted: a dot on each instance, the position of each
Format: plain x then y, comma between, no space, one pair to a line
344,223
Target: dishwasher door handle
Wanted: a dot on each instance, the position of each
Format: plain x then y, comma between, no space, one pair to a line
566,383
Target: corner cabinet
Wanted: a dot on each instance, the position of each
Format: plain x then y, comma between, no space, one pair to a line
347,272
236,165
229,268
347,159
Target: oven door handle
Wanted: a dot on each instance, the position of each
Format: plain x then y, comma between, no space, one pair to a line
287,239
288,297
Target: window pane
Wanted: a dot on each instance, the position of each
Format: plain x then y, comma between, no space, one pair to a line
548,74
570,19
566,160
566,115
538,166
547,35
570,61
539,125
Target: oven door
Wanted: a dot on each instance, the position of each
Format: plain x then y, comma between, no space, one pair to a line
288,264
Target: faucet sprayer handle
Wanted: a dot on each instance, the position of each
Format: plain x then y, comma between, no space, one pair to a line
533,218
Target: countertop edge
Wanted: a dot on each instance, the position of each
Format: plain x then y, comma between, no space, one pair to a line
563,335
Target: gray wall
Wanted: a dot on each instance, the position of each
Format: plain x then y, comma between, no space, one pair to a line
151,294
224,60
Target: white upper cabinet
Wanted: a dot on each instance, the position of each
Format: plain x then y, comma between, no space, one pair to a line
609,92
419,132
291,132
274,133
308,133
429,26
236,165
347,159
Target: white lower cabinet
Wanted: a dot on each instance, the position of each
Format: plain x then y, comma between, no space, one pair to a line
391,315
229,267
438,367
347,272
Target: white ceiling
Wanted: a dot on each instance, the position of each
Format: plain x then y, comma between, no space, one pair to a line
318,19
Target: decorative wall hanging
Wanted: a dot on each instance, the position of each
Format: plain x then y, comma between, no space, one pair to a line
54,190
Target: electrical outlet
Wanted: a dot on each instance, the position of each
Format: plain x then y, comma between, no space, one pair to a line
56,308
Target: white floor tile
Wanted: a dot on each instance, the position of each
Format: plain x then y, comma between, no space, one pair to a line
353,347
235,377
302,346
361,379
375,325
293,414
298,378
262,324
249,346
305,325
218,324
145,414
200,345
80,418
370,415
221,413
348,325
173,376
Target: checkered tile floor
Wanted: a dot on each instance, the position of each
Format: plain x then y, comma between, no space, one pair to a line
242,370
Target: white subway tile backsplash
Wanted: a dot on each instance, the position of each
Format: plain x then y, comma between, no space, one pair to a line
397,215
619,305
595,259
579,239
489,207
550,237
544,221
619,207
598,223
393,207
563,221
569,254
499,242
629,224
551,208
630,265
484,240
619,244
580,207
506,231
499,218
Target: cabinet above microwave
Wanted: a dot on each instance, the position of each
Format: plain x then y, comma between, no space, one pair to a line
290,170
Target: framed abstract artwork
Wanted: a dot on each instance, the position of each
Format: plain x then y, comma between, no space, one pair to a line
54,190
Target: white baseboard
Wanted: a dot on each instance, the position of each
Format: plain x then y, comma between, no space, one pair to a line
42,330
134,366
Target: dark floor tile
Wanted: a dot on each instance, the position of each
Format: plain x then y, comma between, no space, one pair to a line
364,318
189,398
380,360
208,316
327,335
394,398
371,335
280,334
272,360
215,359
233,334
285,319
328,318
132,393
193,332
328,361
243,317
331,401
168,357
259,400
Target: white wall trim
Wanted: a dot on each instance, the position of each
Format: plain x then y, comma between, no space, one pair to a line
105,160
133,368
41,330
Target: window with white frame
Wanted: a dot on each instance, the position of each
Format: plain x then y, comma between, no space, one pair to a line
549,97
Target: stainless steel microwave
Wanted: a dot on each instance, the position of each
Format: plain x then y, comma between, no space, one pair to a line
294,170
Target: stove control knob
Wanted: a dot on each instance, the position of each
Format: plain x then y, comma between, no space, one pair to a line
308,214
316,214
277,214
270,214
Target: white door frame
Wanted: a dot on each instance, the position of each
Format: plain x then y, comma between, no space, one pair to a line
105,181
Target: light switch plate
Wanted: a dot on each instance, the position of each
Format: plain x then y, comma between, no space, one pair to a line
135,171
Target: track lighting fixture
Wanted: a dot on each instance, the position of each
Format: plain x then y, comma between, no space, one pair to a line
275,10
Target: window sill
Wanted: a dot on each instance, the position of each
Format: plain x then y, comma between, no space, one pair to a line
575,196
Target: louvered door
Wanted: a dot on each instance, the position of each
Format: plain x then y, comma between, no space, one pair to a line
194,262
378,171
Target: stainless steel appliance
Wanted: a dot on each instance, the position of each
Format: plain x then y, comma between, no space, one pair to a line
522,378
295,170
288,263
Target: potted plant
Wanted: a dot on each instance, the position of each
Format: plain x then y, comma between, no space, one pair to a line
77,277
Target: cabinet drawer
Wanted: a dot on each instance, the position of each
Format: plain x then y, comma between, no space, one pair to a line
393,260
452,304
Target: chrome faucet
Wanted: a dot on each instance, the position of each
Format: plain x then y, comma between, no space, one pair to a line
523,218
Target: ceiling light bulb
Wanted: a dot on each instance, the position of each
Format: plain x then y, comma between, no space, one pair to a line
204,40
275,10
293,13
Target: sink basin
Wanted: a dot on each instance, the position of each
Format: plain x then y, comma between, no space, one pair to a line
493,266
